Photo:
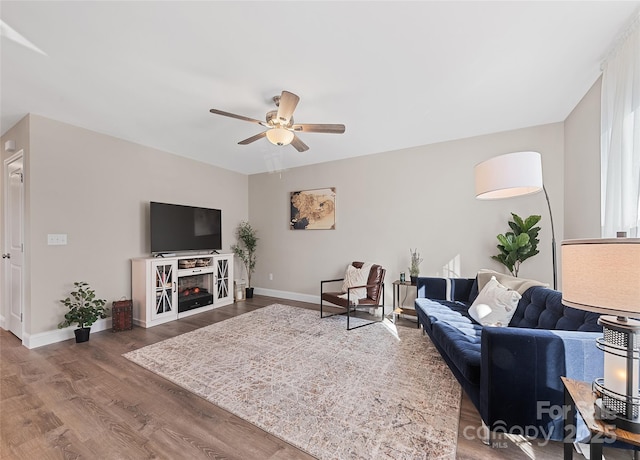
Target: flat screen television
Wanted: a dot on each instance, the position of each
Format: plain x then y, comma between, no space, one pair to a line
178,228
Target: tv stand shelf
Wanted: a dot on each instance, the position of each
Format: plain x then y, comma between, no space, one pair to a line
169,288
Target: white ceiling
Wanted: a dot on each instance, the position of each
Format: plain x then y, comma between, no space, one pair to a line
397,74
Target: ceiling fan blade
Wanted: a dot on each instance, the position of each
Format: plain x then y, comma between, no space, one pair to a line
253,138
233,115
299,145
311,128
286,106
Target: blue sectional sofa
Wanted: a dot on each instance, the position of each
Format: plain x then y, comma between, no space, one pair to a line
512,374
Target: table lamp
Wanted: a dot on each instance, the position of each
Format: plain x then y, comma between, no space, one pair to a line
603,276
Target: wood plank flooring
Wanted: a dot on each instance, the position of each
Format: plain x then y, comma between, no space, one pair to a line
85,401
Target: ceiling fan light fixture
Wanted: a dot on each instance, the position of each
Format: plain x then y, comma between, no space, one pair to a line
280,136
280,126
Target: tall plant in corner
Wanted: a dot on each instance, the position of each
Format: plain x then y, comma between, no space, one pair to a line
519,244
245,249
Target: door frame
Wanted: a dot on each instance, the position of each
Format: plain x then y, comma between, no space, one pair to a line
6,311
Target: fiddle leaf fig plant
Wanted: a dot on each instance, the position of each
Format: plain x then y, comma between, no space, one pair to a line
519,244
84,308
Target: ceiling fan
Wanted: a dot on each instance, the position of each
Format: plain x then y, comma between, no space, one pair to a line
281,128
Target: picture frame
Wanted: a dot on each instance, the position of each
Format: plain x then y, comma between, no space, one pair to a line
313,209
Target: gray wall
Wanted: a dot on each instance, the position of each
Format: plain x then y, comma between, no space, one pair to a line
96,189
387,203
582,167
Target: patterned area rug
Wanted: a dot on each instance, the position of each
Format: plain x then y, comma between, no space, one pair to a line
372,392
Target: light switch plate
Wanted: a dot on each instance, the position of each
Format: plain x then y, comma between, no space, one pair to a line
56,239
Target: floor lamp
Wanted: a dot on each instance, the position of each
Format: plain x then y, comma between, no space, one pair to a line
514,174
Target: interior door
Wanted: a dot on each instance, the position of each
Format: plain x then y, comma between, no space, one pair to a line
14,242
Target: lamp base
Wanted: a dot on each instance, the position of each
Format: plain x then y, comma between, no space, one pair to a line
612,418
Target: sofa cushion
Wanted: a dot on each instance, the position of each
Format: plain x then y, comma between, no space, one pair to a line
473,294
445,310
542,308
456,333
461,343
461,288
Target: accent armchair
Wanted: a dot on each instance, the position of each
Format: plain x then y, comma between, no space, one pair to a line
347,301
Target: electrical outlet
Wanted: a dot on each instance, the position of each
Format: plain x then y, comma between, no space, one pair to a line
270,276
57,239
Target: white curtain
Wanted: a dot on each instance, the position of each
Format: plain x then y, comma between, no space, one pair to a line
620,137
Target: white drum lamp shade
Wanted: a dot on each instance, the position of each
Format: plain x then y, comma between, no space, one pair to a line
509,175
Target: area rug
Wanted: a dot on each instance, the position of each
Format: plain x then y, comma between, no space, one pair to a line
373,392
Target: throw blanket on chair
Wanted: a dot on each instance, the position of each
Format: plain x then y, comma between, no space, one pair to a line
356,277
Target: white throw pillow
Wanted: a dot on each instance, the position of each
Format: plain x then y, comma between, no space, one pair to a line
356,277
495,305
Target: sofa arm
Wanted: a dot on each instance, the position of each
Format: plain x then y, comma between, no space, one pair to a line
520,386
444,288
431,288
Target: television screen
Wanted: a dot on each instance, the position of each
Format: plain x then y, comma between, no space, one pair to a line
176,228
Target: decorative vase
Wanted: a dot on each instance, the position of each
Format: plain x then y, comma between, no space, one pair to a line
82,334
414,279
248,293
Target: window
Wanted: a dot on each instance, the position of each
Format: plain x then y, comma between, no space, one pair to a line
620,136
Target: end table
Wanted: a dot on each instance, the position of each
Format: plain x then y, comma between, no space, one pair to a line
397,308
578,396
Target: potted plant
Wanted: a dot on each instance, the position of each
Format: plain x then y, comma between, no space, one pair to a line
84,310
245,249
414,269
520,244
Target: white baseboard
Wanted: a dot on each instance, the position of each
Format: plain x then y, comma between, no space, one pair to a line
3,323
288,295
300,297
59,335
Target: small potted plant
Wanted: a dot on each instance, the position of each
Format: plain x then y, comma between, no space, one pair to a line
414,269
245,249
84,310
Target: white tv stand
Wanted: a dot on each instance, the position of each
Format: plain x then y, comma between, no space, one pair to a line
169,288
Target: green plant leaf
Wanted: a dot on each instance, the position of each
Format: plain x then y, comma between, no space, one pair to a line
84,307
503,240
246,247
519,244
522,240
530,222
514,227
518,221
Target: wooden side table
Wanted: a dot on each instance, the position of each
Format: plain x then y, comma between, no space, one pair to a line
399,309
578,396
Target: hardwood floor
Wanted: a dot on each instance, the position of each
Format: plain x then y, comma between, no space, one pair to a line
75,401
